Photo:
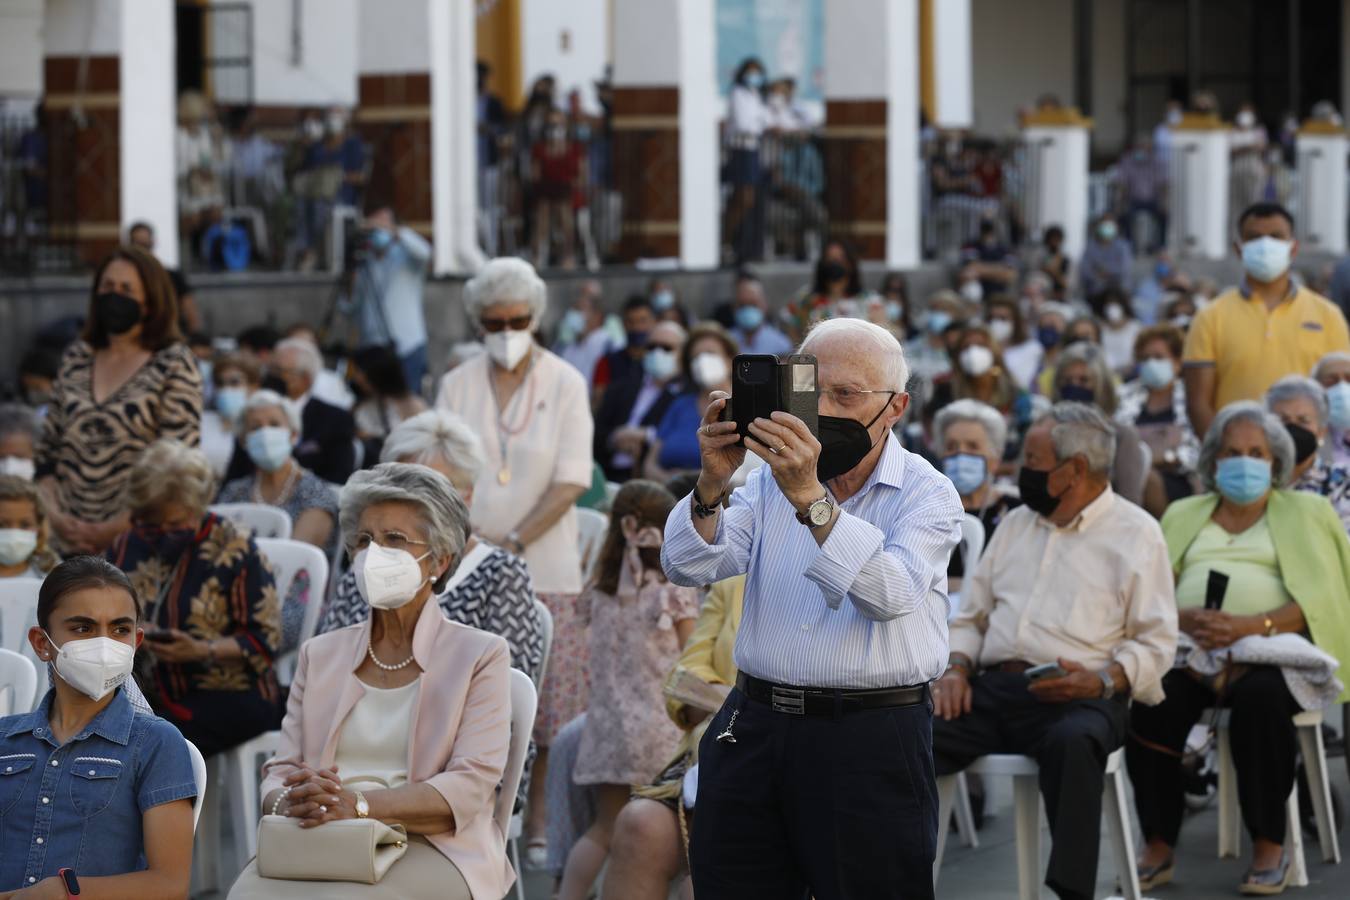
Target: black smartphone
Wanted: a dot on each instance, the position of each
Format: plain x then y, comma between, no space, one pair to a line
1215,588
159,636
762,384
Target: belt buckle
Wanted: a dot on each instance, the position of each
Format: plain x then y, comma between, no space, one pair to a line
788,700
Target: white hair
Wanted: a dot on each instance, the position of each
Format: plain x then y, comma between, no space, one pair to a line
15,418
879,346
1335,356
445,518
1277,437
1081,430
435,434
968,410
506,279
311,361
265,399
1299,387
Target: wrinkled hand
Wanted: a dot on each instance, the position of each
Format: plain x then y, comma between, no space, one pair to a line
184,648
952,695
1214,629
790,450
718,451
317,796
1078,684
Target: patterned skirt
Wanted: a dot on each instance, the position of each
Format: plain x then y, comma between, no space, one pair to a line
566,691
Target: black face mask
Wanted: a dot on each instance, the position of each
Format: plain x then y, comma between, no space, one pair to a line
844,443
833,271
1034,486
116,313
169,545
1305,442
1076,393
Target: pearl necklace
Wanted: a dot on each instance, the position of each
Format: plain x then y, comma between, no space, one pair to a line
370,650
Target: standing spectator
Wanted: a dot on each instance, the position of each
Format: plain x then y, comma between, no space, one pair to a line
142,235
31,154
1333,373
1143,187
327,432
1107,260
490,116
19,436
558,171
748,118
1268,327
989,261
1301,404
1119,328
202,157
332,173
1155,405
386,293
630,411
130,352
1162,132
753,334
1247,142
214,613
532,412
583,336
1054,262
638,621
626,363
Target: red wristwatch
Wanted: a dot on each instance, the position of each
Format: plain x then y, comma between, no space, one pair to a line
69,882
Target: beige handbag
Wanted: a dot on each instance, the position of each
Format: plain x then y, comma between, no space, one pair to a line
360,850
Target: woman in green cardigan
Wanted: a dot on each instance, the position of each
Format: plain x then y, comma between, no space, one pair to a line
1288,562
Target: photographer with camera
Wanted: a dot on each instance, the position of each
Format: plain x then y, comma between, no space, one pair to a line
388,268
817,773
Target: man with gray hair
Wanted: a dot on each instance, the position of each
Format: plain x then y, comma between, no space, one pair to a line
326,445
1077,578
816,777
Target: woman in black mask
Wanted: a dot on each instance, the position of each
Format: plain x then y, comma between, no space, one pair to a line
835,292
1301,404
1083,376
129,381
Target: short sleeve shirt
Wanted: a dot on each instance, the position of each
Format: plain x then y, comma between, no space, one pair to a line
80,805
1251,347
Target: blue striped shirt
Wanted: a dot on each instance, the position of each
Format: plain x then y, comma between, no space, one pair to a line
887,556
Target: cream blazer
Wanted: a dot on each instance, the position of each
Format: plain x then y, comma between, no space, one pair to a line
461,727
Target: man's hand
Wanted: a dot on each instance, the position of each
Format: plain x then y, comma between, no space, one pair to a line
952,695
790,451
718,452
629,440
1079,684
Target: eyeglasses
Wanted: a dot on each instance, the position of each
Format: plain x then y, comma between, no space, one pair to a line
515,323
670,348
848,397
390,540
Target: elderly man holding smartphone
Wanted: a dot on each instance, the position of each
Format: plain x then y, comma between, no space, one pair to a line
1068,614
816,777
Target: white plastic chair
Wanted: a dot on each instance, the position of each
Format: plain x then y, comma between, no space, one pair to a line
546,626
972,548
289,558
1309,727
524,701
591,529
1027,816
18,612
244,778
263,520
199,776
972,542
18,683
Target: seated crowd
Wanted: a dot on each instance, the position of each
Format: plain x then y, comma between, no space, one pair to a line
1121,454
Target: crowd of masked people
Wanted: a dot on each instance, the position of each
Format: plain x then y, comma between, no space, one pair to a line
1119,447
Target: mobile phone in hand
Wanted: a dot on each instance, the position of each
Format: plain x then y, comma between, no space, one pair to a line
160,636
762,384
1048,670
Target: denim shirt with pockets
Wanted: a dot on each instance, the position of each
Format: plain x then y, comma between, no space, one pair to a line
79,805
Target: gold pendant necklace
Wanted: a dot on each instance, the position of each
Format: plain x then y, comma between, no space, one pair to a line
504,474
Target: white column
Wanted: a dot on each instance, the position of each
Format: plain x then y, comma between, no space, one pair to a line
700,191
1200,162
1321,205
149,190
454,201
952,64
1057,157
902,134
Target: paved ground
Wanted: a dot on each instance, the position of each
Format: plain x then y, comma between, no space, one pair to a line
990,872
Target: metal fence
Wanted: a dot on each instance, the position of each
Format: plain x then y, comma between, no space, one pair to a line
774,194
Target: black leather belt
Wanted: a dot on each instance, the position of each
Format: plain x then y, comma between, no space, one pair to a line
804,701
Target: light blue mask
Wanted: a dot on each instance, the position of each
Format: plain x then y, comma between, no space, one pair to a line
230,401
572,325
967,471
269,447
659,364
663,300
1156,373
938,321
1338,399
748,318
1266,258
754,80
380,238
1242,479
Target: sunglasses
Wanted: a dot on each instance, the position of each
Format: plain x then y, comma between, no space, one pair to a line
515,323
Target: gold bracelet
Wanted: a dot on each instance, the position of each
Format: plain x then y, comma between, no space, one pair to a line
1271,630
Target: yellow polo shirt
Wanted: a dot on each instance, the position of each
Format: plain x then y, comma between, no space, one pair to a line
1252,347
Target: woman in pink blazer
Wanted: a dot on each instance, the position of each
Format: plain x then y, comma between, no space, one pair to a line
405,718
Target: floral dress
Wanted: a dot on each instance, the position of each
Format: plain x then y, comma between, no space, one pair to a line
634,645
211,584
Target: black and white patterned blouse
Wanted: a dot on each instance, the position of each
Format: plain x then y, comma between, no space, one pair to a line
491,591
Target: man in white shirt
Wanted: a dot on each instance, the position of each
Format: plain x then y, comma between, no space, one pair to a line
583,339
1076,577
